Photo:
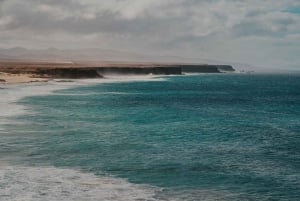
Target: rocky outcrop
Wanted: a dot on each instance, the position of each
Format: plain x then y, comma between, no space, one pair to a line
199,69
71,73
98,72
225,68
172,70
206,68
95,70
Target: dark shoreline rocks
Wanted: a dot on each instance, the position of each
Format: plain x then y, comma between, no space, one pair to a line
71,73
173,70
82,71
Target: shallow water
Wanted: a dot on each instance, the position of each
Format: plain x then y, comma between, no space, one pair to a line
202,137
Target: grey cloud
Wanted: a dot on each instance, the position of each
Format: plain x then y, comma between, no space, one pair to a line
285,21
253,29
270,26
26,19
1,2
195,26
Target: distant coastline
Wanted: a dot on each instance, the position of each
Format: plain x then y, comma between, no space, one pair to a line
23,72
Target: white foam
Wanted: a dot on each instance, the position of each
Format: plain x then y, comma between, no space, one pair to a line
11,94
49,183
127,78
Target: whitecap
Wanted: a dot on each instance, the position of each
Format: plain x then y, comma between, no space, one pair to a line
11,94
52,184
49,183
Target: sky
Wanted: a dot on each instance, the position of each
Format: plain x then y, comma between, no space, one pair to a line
258,32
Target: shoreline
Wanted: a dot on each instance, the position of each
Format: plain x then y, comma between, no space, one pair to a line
23,72
33,177
12,93
9,78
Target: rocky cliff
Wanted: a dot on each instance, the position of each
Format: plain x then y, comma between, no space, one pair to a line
79,70
71,73
206,68
225,68
168,70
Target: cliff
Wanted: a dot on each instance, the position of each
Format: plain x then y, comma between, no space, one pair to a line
95,70
168,70
225,68
206,68
71,73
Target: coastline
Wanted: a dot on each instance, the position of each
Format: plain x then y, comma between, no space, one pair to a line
34,176
12,92
86,185
14,72
9,78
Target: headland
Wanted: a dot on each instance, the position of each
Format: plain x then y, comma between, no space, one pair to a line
20,72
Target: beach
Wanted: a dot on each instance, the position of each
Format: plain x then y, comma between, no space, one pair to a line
8,78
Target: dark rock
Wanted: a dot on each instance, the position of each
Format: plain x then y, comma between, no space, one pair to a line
225,68
71,73
199,69
140,70
206,68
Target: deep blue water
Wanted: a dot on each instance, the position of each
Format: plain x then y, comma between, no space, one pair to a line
237,136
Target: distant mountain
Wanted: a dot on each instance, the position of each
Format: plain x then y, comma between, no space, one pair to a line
53,54
100,55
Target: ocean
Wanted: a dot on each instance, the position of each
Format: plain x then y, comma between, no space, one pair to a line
194,137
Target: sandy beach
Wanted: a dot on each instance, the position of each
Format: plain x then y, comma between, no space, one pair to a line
8,78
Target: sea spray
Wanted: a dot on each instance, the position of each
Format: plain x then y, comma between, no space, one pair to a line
49,183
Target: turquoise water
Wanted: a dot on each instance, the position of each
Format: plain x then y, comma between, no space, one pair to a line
234,137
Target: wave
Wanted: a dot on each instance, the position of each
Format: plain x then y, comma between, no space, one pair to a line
127,78
10,95
52,184
49,183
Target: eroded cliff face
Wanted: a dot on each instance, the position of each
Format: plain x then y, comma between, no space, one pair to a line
99,72
225,68
206,68
172,70
199,69
71,73
81,71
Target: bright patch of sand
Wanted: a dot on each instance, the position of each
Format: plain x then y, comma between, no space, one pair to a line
7,78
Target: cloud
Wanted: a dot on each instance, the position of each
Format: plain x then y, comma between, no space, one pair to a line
180,27
1,2
199,18
270,25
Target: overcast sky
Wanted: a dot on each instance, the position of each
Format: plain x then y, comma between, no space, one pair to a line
259,32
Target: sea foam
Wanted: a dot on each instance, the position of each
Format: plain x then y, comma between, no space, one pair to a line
11,94
49,183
